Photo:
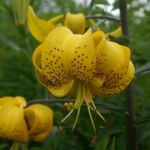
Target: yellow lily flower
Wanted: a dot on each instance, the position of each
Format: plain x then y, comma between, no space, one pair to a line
82,67
17,122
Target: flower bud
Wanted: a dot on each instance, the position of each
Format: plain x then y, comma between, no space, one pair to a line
20,9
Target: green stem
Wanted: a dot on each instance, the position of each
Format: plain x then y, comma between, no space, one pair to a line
101,105
103,17
130,116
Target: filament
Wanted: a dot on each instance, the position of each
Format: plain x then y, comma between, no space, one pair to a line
91,118
58,125
77,117
89,96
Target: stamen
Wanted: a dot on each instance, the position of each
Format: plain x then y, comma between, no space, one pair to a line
71,132
58,125
68,106
90,98
76,118
88,106
95,137
108,124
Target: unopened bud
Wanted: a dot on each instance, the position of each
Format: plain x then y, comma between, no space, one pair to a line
20,10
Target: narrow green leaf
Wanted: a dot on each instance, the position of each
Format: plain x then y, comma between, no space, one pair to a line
102,144
94,28
10,43
142,120
122,40
113,144
91,6
144,69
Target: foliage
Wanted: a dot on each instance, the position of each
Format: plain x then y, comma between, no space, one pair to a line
17,75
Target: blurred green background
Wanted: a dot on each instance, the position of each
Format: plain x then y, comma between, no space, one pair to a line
17,75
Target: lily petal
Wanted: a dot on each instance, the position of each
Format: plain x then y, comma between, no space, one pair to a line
117,79
53,86
80,56
6,99
109,54
12,123
39,119
116,32
75,22
39,28
56,19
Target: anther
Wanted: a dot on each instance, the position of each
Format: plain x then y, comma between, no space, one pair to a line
68,106
58,127
71,132
65,105
108,124
95,137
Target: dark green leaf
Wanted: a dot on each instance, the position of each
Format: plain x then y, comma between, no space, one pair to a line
3,146
122,40
26,72
144,69
10,43
113,144
104,2
142,120
102,144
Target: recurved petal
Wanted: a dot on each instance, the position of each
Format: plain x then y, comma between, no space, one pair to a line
75,22
12,123
116,32
39,28
55,19
107,91
57,85
109,54
117,79
39,119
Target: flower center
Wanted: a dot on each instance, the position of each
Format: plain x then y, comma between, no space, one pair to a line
83,94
